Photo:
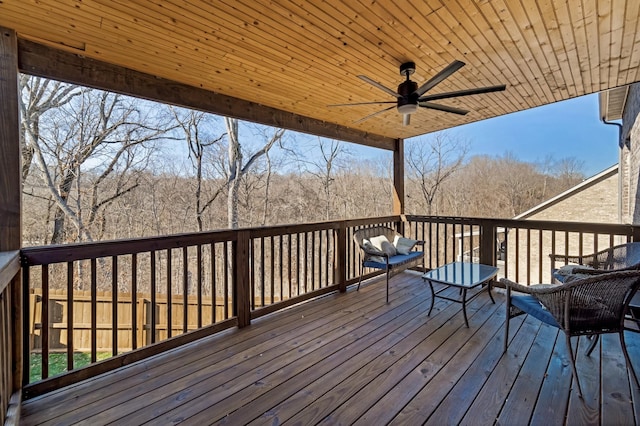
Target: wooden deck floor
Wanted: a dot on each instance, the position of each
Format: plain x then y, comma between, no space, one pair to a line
352,359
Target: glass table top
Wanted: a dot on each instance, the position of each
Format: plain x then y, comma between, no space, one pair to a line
462,274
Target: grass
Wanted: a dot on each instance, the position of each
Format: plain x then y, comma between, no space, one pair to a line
58,363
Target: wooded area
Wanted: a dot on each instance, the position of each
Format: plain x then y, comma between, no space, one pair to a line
99,166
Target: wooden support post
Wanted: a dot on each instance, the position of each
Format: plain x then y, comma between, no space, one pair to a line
11,186
398,182
488,237
241,290
340,257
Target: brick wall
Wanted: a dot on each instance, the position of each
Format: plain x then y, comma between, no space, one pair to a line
631,156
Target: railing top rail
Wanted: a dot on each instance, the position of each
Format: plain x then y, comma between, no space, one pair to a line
9,267
79,251
547,225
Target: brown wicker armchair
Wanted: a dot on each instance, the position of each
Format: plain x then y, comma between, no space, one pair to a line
373,258
588,306
617,258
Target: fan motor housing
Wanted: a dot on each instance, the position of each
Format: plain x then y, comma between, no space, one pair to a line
405,89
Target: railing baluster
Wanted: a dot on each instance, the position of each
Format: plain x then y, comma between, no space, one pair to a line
226,279
70,316
262,283
199,274
154,304
280,257
528,255
298,263
272,262
213,283
185,289
306,258
252,275
114,305
134,301
94,310
446,241
44,321
517,278
313,260
540,256
289,274
169,294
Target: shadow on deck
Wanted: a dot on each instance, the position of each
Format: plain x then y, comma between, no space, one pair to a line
352,359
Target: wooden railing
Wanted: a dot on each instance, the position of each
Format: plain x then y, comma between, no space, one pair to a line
126,300
521,248
9,335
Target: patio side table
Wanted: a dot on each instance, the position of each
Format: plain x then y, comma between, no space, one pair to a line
464,276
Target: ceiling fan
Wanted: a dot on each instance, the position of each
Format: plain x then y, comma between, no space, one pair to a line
410,96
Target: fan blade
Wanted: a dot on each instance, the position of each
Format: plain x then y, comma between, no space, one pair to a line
431,83
443,108
363,103
466,92
379,86
406,119
373,115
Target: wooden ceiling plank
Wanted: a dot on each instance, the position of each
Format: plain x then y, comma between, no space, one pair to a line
590,14
568,42
471,53
145,66
629,41
377,32
521,30
266,78
338,80
549,56
314,19
494,62
551,25
582,49
247,57
492,44
497,20
615,49
604,17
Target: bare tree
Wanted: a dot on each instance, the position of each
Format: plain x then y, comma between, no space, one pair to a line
324,168
237,168
38,96
194,126
431,163
89,151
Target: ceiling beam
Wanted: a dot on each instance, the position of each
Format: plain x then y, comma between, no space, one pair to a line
44,61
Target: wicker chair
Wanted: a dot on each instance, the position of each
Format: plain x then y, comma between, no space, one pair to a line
618,258
581,306
371,257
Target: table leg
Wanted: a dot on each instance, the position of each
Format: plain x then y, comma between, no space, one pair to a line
489,290
464,306
433,297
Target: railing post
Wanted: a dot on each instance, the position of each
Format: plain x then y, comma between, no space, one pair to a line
488,237
11,216
241,289
340,254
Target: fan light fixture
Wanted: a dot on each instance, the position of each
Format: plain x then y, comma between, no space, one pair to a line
407,108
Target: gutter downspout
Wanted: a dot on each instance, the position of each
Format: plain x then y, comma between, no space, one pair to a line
621,145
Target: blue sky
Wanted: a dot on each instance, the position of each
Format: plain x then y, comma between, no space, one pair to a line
564,129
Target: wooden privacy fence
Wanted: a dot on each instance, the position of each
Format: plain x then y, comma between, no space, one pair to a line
81,304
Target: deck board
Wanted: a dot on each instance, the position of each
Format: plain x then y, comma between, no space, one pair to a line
353,359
